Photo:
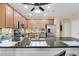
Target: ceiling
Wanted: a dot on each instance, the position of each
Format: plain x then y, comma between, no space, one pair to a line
51,10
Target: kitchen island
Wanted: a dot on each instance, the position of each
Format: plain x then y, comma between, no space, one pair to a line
54,42
65,42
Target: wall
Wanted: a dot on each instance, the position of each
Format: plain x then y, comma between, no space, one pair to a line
75,28
71,28
66,28
57,23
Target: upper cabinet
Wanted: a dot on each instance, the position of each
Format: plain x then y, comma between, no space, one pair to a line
16,19
2,15
51,21
25,22
9,16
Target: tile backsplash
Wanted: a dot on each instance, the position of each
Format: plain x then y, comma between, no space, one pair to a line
6,30
7,33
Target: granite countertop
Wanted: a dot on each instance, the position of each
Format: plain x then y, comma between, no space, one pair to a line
71,43
55,42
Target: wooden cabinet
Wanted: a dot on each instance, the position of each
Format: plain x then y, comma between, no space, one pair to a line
16,19
25,22
51,21
20,19
2,15
9,16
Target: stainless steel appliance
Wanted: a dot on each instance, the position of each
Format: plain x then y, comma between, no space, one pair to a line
51,30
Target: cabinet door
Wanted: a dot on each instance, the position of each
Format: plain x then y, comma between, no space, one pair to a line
9,16
51,21
16,19
2,15
24,22
20,19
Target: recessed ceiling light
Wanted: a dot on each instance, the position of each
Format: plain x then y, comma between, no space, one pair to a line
37,11
26,7
48,7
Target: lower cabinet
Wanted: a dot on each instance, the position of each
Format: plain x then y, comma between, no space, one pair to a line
16,19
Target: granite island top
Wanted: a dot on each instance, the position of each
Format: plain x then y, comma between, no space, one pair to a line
56,42
65,42
50,43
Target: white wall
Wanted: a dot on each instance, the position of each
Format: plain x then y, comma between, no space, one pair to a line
75,28
57,23
66,31
71,28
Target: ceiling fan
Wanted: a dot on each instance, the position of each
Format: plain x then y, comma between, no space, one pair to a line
37,4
